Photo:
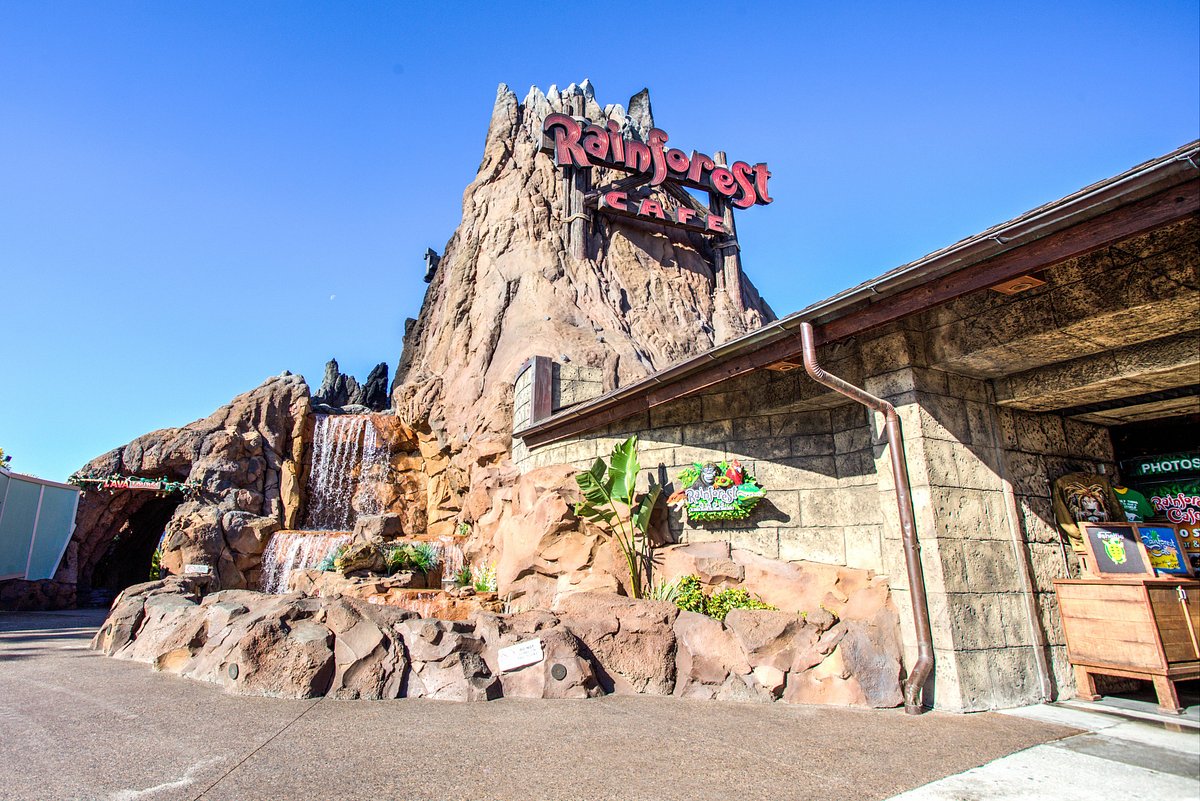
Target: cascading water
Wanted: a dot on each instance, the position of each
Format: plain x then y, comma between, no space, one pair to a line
452,557
346,450
296,550
349,459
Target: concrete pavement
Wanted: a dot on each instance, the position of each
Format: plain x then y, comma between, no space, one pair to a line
1114,759
76,725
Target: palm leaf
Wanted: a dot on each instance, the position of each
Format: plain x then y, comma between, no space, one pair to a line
623,470
641,517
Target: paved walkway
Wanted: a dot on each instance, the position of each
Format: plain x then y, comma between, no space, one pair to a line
76,725
1116,759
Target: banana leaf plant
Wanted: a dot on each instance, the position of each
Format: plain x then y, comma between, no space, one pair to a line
607,487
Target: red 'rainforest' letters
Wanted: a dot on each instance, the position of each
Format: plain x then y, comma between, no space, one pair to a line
594,145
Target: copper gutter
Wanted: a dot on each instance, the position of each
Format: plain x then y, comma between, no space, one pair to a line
908,527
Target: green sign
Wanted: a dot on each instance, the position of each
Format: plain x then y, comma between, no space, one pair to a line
717,491
1173,465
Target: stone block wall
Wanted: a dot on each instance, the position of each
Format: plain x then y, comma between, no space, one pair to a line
980,475
981,480
810,451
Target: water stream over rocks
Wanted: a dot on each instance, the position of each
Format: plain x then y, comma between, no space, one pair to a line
348,459
296,550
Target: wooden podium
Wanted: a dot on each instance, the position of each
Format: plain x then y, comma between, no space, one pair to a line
1137,628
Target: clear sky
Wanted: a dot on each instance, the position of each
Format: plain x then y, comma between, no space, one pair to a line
196,196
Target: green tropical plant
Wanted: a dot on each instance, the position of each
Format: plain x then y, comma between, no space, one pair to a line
606,487
464,577
484,579
412,556
691,598
663,591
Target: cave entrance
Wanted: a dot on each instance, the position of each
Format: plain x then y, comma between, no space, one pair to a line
127,560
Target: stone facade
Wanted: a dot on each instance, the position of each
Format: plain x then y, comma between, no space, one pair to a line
992,392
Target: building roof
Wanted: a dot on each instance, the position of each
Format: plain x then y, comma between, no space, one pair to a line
1149,195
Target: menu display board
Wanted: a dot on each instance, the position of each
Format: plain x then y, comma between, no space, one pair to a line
1115,550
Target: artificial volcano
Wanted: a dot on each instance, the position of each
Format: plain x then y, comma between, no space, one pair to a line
507,287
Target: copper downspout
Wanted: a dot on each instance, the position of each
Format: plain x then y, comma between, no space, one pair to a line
912,549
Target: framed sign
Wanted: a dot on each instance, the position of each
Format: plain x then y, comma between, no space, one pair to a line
1115,550
1167,555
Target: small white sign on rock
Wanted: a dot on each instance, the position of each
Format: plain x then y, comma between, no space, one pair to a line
520,655
197,570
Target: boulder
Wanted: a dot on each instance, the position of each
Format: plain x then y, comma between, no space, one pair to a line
368,528
632,640
447,662
246,533
710,664
369,657
366,556
285,658
871,650
565,670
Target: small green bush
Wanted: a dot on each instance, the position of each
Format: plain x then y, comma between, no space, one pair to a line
484,579
690,597
721,602
464,577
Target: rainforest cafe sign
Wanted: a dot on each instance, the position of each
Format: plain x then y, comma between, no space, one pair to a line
590,145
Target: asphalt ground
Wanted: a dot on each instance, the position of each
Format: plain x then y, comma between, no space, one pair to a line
77,725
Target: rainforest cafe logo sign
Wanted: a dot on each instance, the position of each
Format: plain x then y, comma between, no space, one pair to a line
591,145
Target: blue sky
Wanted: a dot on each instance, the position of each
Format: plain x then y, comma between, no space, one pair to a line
195,196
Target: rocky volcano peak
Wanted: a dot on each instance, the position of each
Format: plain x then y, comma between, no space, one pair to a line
507,287
340,390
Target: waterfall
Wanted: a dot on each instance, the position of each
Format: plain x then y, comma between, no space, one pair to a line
295,550
346,451
453,557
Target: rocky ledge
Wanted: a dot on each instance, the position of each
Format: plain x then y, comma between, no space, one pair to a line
593,643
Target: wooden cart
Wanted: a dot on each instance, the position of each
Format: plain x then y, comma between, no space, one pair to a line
1138,628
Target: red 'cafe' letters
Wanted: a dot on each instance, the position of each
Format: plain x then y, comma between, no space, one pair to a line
593,145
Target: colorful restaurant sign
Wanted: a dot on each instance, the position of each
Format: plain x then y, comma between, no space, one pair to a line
721,491
581,144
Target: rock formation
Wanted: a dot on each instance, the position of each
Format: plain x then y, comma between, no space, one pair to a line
300,646
507,289
246,460
342,393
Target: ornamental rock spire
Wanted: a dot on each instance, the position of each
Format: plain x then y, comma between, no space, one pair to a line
641,298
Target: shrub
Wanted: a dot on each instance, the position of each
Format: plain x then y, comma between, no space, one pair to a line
484,579
690,597
464,577
720,603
